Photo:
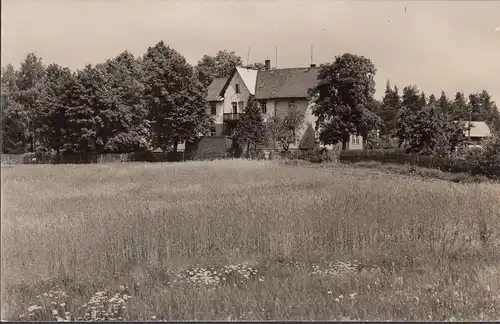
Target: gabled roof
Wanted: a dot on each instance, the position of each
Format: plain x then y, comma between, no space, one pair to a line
286,83
249,77
215,89
479,129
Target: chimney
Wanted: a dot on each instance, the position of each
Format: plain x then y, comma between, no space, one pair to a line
313,65
268,64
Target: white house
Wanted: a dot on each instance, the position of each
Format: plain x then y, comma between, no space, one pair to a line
276,91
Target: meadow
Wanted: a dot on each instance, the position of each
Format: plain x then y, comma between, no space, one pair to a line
241,239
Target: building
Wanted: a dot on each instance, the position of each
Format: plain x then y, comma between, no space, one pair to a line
478,132
276,91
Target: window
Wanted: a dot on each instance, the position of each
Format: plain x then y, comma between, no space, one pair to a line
241,106
235,107
237,88
213,108
291,104
263,106
213,131
355,139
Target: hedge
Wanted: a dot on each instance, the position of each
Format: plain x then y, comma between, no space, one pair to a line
399,157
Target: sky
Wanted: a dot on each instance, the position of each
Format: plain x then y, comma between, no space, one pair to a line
436,45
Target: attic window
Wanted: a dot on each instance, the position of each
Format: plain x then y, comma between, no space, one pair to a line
237,88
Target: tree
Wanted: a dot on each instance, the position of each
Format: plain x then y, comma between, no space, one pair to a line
53,102
14,118
284,129
250,129
29,83
459,107
432,100
84,106
124,112
484,109
256,66
428,131
411,98
174,96
345,89
391,103
444,104
422,102
219,66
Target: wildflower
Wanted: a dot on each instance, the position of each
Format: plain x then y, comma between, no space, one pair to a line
33,308
341,296
330,292
153,317
63,304
54,312
337,300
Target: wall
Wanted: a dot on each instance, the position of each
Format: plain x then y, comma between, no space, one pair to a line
280,107
230,96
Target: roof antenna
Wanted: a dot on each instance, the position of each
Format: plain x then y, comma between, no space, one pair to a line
248,56
276,57
311,54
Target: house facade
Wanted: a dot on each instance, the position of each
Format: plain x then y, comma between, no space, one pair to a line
276,91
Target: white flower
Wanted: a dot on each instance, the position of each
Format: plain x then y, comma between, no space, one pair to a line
54,312
337,300
63,304
330,292
153,317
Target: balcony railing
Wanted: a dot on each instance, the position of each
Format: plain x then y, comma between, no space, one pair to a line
231,117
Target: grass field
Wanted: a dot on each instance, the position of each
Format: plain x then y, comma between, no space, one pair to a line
245,240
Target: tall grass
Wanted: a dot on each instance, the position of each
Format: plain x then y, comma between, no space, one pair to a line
101,226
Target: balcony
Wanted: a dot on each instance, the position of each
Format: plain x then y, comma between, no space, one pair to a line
231,117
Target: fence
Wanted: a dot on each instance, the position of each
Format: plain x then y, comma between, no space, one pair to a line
31,158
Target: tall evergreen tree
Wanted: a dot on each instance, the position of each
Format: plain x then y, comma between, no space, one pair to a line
432,100
391,103
444,103
460,107
250,129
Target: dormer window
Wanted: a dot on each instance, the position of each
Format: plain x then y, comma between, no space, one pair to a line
237,88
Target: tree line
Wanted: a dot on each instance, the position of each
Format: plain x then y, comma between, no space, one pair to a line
157,100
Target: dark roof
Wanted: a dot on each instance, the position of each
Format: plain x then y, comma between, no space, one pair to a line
286,83
215,88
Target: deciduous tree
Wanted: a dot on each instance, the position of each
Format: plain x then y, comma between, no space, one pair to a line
345,89
174,96
219,66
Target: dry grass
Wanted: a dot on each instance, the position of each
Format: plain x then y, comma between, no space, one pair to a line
302,243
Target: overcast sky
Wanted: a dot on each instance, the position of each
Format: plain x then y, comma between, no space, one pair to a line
449,45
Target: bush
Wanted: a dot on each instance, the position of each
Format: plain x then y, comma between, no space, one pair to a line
469,161
317,155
